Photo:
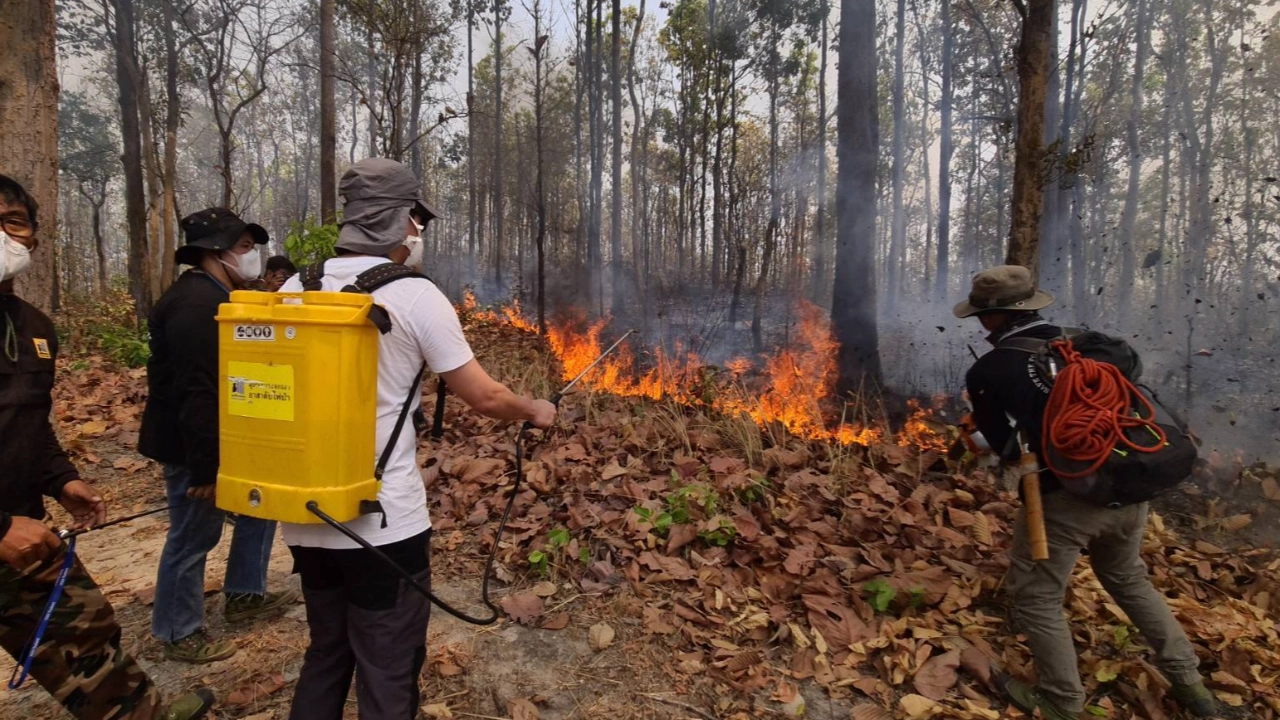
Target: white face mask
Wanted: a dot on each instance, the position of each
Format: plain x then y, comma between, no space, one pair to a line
15,257
414,243
247,266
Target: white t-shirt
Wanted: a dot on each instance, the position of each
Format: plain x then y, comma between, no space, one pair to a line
424,327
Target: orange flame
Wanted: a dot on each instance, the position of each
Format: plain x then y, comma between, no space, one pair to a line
792,385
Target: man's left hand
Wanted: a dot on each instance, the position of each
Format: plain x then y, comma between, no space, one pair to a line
86,506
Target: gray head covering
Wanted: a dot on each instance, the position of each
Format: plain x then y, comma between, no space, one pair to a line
378,195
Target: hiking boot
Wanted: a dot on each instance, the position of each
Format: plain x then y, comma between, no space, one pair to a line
1195,699
198,649
242,607
1029,699
191,706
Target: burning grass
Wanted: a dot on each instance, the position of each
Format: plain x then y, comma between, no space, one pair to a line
790,390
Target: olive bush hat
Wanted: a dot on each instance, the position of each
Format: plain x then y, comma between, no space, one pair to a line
1004,287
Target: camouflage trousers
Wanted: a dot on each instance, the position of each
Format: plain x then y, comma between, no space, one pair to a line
79,661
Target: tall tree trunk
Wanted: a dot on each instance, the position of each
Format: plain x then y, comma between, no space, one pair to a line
151,172
639,141
899,219
853,303
100,245
1129,218
615,214
329,116
172,120
29,116
472,209
1056,231
498,204
1028,178
415,117
926,141
946,148
594,58
1051,270
540,240
775,199
134,190
820,256
1166,132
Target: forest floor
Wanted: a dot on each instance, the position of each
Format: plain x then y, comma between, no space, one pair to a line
665,561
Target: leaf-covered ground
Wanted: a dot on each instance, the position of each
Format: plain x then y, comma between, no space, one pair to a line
667,562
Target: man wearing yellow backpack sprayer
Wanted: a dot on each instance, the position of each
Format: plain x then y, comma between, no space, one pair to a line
362,616
1008,383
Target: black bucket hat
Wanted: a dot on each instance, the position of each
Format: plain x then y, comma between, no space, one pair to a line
214,229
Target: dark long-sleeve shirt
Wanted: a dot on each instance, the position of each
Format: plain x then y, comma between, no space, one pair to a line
1003,384
180,423
32,463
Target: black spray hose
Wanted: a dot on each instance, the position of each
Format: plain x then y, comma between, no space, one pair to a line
314,508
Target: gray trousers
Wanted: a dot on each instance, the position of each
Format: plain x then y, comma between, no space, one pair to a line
363,621
1113,538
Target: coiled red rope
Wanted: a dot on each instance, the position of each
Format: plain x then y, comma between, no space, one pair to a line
1089,411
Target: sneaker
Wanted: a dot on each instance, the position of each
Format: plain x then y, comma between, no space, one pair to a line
1195,699
192,706
198,649
242,607
1029,699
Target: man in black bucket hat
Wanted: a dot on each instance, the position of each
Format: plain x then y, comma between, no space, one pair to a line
1005,385
364,620
180,431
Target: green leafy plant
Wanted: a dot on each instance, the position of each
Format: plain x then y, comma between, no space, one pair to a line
755,491
724,533
539,560
123,345
880,594
309,242
558,538
584,555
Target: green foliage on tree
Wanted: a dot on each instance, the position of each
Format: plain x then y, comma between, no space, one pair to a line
309,242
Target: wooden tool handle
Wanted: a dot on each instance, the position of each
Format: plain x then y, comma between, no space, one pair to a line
1031,499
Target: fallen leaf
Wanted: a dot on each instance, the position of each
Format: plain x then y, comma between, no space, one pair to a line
612,470
937,675
257,688
437,711
867,711
918,707
524,608
521,709
557,622
600,636
544,589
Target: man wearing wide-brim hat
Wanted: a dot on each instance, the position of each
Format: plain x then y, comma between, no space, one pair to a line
1006,391
180,431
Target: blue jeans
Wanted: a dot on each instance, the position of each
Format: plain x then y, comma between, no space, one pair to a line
194,530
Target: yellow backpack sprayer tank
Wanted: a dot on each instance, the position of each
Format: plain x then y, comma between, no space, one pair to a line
297,404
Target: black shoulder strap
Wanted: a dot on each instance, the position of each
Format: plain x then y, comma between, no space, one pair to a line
1035,345
311,276
1025,344
374,278
384,274
395,432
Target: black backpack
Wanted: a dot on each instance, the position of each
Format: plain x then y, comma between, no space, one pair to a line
1126,477
366,282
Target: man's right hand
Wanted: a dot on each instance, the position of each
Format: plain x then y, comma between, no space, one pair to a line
28,541
202,492
544,414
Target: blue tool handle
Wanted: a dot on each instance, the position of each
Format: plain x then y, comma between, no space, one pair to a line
23,668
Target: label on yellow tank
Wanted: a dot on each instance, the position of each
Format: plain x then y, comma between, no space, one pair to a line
260,391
